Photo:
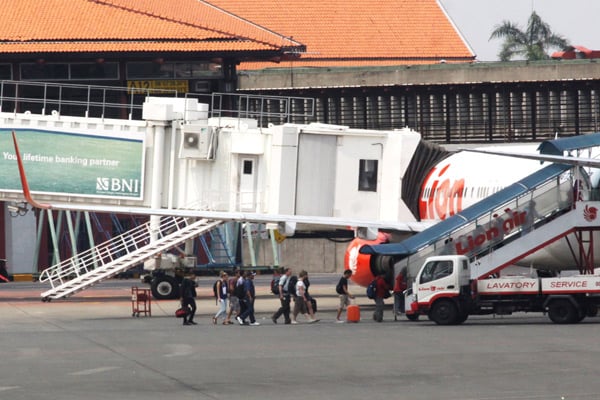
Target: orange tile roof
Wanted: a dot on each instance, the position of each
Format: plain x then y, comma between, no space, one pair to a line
129,25
358,32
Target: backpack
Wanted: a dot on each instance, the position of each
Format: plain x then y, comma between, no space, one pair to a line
216,291
240,292
339,289
292,285
275,285
372,289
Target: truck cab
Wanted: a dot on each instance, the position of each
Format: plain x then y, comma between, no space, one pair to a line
441,284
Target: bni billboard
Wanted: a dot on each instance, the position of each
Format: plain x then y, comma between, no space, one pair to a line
74,163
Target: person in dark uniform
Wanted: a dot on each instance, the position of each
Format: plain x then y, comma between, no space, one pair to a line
381,293
188,298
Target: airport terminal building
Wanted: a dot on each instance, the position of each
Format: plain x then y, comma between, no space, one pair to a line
101,59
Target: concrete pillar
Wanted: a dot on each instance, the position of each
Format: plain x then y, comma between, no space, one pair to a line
595,100
516,115
333,110
436,116
543,122
424,112
451,121
410,110
555,112
358,112
586,124
503,121
462,115
396,112
297,110
384,112
476,117
346,111
570,112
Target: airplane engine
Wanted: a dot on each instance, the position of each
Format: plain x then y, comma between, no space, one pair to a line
364,266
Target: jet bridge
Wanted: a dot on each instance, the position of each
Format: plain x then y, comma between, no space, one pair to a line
548,213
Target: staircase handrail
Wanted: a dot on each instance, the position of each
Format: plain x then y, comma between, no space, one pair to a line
79,264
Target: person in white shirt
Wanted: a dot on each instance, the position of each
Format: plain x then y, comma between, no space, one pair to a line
301,300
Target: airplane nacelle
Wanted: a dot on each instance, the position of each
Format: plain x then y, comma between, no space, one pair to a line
360,264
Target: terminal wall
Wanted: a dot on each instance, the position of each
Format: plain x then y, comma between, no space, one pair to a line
313,255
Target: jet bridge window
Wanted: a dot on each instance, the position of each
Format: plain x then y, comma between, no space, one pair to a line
247,167
367,176
435,270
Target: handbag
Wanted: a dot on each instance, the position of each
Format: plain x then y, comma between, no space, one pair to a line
181,312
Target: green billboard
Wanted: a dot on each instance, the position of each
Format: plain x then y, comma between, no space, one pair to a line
74,163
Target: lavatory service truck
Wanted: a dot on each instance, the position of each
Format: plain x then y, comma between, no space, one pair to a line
445,291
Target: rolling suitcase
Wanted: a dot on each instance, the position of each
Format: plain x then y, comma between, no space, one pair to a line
353,313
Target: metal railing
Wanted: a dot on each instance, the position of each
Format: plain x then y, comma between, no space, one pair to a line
75,100
111,250
126,103
265,109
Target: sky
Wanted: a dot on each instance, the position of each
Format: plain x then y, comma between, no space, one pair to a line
575,20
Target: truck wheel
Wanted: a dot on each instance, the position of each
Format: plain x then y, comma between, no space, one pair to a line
562,311
444,312
164,288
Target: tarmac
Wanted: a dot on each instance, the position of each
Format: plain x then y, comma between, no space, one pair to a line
90,347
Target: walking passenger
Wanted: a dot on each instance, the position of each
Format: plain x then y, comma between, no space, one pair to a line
222,297
234,301
284,297
188,298
345,295
248,301
311,302
240,292
301,300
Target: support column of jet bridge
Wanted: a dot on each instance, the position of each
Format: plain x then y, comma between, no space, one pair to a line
163,116
159,113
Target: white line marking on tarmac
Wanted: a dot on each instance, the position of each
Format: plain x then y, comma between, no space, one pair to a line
5,388
93,371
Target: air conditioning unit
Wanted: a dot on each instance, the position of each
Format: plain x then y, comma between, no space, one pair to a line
197,142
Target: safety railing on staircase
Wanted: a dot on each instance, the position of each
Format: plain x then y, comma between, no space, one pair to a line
119,254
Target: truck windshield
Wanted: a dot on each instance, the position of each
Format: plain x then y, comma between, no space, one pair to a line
435,270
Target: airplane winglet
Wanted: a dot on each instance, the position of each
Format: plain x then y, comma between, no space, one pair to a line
24,184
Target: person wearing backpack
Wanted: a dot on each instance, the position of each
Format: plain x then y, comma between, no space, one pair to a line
283,292
240,292
221,292
342,289
302,300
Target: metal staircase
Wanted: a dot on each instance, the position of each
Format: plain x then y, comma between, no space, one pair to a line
565,225
216,249
119,254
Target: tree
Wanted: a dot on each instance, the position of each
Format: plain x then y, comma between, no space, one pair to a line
531,44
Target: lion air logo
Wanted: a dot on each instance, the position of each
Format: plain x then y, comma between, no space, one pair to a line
590,213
